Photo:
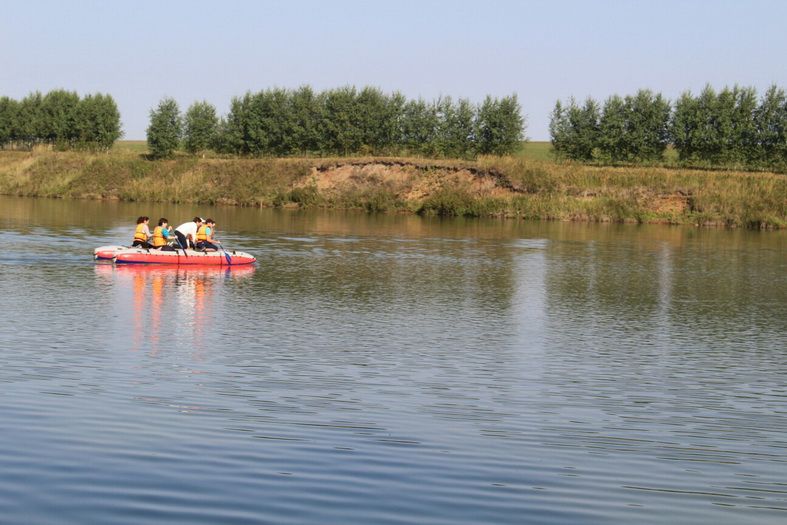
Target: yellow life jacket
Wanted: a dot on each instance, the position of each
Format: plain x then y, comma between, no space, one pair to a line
158,237
202,233
139,234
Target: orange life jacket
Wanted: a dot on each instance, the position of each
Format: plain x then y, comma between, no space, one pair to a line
139,233
202,233
158,237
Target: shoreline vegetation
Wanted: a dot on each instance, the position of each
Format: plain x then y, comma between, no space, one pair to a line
524,186
338,122
637,159
731,128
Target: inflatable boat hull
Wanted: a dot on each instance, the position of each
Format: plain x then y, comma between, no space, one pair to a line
138,255
107,253
179,257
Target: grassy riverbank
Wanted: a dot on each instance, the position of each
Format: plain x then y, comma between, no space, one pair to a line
524,186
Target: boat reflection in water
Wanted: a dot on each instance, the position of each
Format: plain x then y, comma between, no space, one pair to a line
167,305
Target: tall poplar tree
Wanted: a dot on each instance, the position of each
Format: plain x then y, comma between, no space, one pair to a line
199,127
164,131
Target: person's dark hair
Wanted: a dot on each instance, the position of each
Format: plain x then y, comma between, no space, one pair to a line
142,219
210,221
161,221
197,219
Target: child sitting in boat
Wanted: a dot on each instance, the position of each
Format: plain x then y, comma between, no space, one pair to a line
205,240
142,233
161,236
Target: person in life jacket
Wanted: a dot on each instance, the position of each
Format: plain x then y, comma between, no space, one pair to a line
142,233
187,233
205,240
161,236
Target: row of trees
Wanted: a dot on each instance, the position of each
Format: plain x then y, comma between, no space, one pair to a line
61,119
729,127
339,121
732,127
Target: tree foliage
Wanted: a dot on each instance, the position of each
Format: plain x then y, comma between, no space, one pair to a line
346,121
419,128
770,128
457,133
648,116
718,128
9,127
200,125
61,122
575,129
165,129
634,128
60,119
499,125
726,128
99,120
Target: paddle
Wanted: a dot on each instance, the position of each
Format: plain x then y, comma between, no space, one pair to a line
226,255
181,245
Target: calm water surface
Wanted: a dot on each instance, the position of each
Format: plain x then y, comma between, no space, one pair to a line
391,370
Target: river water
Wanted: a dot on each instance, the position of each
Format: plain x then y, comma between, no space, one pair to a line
391,369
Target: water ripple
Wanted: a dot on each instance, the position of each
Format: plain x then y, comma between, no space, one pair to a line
394,372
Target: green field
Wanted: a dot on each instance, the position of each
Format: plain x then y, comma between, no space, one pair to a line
542,150
537,150
131,146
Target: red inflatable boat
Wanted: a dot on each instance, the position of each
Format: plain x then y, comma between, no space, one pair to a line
123,255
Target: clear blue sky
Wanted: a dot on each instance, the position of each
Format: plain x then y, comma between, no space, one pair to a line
142,50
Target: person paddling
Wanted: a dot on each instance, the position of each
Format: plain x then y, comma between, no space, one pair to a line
205,240
187,233
142,233
161,236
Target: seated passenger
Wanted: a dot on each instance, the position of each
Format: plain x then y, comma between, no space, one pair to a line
205,240
161,236
142,233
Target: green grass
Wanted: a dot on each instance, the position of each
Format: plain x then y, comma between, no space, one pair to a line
541,150
533,150
138,147
519,186
671,156
536,150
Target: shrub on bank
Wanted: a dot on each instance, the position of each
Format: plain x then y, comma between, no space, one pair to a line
461,203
